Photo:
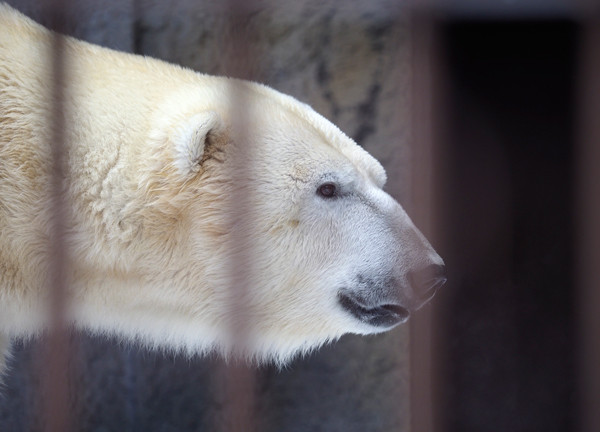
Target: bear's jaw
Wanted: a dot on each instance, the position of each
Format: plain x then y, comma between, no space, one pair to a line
381,315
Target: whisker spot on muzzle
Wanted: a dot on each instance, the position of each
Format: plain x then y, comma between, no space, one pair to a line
427,281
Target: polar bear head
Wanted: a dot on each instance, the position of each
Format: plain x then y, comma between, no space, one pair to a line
284,227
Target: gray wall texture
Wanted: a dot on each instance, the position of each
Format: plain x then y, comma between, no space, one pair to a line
351,62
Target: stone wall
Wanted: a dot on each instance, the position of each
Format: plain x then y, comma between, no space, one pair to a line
350,61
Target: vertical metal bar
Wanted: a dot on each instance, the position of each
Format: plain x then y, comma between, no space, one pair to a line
424,62
239,379
55,385
589,227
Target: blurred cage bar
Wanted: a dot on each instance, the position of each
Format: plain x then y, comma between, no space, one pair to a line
588,206
427,351
56,414
425,94
239,381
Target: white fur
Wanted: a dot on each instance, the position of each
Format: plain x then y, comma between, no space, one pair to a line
189,226
189,140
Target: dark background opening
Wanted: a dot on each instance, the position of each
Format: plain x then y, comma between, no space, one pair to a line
508,328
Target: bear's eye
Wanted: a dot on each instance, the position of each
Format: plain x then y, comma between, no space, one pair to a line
327,190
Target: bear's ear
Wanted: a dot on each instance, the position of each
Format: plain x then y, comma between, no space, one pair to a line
191,138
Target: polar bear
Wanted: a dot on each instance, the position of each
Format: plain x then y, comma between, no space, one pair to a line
195,207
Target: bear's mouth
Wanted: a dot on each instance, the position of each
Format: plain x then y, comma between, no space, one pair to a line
385,315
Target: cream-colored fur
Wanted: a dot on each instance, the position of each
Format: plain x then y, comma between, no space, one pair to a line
193,204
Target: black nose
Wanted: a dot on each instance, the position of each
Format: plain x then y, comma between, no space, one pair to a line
426,281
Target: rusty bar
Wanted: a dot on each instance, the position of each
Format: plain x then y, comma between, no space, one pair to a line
423,357
588,234
55,376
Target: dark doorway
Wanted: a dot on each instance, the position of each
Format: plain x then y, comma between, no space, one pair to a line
508,325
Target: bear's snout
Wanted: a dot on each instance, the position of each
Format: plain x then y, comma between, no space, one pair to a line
386,302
